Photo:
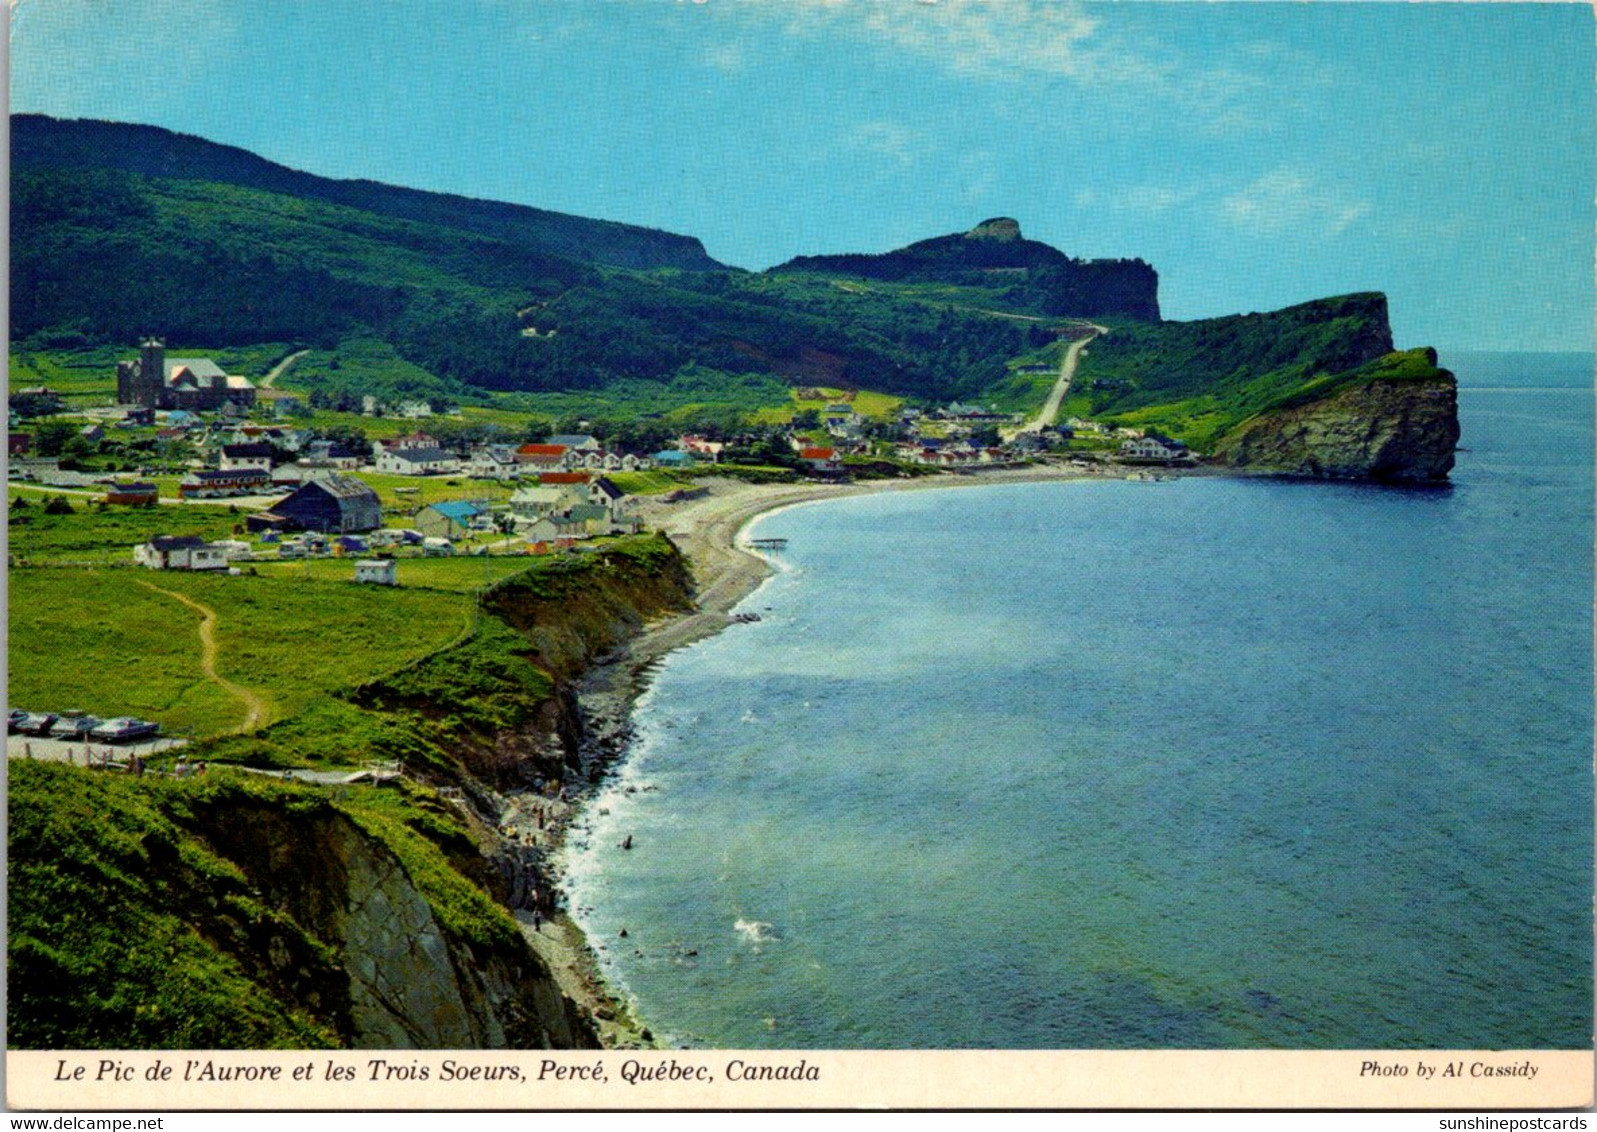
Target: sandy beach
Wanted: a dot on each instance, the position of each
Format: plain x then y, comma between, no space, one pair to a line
706,528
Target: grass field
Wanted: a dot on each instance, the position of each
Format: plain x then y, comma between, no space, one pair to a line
408,493
866,402
99,640
94,535
460,575
653,482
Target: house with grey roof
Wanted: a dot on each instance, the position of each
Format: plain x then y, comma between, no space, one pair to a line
188,552
417,462
334,505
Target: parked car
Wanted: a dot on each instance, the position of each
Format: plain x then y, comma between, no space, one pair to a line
75,725
15,722
36,723
124,729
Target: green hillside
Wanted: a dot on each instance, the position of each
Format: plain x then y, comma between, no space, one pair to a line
1026,275
39,142
100,257
1199,379
412,294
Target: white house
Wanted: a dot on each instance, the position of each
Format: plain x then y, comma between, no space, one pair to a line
330,454
534,502
493,462
821,459
189,552
1153,447
417,462
253,455
700,448
603,493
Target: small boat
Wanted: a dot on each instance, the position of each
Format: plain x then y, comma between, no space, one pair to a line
124,729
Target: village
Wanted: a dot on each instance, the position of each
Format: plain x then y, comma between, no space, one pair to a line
184,440
206,436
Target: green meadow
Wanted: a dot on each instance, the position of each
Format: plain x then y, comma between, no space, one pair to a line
461,575
106,642
98,535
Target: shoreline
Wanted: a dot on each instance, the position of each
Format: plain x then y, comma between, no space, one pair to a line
707,530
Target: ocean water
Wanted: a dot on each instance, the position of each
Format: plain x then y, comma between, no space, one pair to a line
1204,763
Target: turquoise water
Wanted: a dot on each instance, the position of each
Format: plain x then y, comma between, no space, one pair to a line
1205,763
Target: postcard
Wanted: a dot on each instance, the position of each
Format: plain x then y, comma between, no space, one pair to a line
922,554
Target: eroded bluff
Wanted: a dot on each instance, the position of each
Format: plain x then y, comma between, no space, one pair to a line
1401,429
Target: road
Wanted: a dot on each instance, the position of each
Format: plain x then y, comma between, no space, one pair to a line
270,380
255,707
79,753
1067,371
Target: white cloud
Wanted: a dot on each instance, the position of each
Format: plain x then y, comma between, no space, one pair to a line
1238,90
1155,200
886,138
1286,199
986,37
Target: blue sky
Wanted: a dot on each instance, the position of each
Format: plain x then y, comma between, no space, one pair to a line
1257,154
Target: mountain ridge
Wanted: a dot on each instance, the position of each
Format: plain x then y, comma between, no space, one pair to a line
38,140
1043,278
109,246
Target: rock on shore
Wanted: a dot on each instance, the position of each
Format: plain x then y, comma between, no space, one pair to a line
1401,429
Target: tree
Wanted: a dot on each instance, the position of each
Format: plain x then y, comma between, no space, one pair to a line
52,436
35,404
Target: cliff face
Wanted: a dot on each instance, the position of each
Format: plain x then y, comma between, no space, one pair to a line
237,911
413,982
1397,430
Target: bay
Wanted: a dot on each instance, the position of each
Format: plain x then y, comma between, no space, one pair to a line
1219,763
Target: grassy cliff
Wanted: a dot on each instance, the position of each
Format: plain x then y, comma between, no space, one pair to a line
1197,380
235,910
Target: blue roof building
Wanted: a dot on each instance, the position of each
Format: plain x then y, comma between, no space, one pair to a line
451,519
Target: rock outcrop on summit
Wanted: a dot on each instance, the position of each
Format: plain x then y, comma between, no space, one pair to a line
1042,278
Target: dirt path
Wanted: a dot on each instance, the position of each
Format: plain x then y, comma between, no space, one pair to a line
255,707
270,380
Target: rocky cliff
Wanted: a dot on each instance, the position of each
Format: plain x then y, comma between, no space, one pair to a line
237,911
1395,420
